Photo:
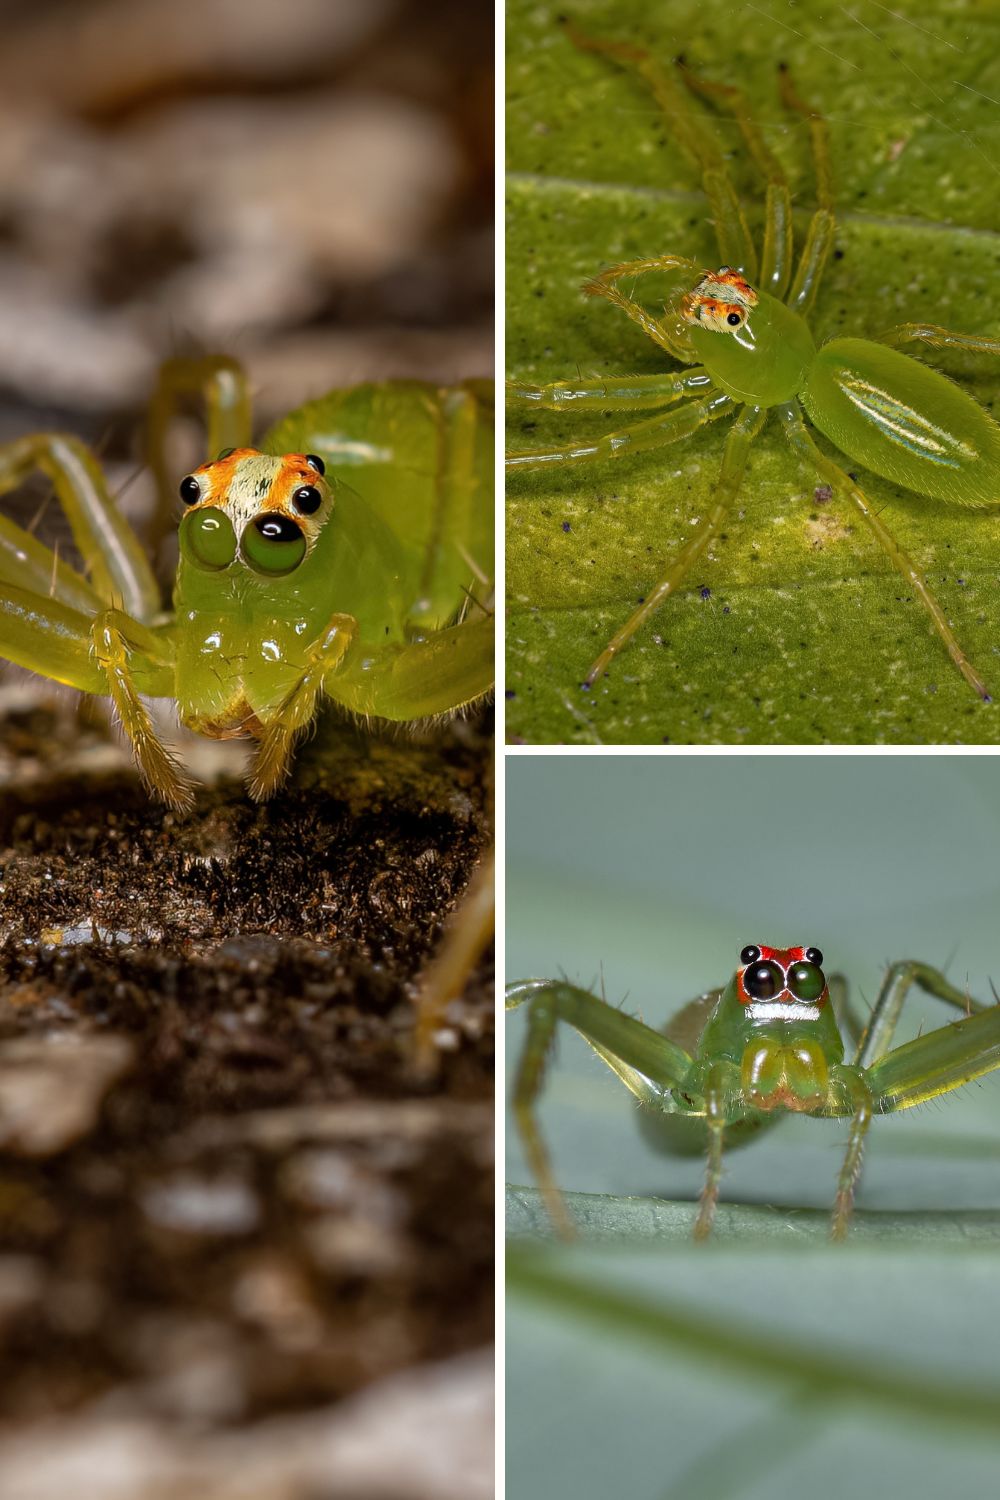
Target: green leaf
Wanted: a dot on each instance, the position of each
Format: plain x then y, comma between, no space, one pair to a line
796,628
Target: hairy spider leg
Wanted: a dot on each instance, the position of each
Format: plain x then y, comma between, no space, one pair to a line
115,636
214,381
798,436
422,680
874,1044
735,243
937,1062
82,632
744,430
847,1018
777,252
877,1036
298,707
822,225
605,285
654,432
617,393
468,932
646,1060
113,558
721,1087
939,338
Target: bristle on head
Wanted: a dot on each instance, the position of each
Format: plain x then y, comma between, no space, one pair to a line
721,301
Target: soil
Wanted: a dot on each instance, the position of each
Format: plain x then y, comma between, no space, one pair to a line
223,1189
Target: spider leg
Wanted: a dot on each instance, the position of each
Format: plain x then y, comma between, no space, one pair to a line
654,432
819,239
847,1017
616,393
605,285
115,636
803,444
651,1065
937,1062
742,434
861,1105
219,382
939,338
776,257
735,244
29,565
878,1034
114,559
467,933
298,708
722,1089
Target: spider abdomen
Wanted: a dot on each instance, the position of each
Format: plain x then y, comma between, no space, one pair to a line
905,421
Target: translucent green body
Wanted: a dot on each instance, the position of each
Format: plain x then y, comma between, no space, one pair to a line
905,421
884,409
739,1057
374,591
765,362
411,469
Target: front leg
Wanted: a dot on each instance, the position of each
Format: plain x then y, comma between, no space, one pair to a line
937,1062
723,1096
649,1063
114,637
113,558
298,707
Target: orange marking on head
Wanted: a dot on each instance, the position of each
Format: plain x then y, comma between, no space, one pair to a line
708,305
293,474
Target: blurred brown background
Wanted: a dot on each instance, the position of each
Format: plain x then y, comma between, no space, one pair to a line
240,1254
305,184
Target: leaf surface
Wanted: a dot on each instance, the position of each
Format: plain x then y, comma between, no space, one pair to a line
795,628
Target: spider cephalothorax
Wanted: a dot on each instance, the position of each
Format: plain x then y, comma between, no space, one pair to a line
722,300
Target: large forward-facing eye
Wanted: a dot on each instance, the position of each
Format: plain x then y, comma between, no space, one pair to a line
806,980
763,981
273,543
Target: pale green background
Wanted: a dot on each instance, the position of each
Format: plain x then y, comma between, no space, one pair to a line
656,870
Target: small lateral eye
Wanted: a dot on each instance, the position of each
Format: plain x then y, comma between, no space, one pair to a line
307,499
190,490
734,320
815,957
750,955
317,463
226,453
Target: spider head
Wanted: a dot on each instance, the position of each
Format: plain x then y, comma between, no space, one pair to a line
721,301
755,348
786,980
266,510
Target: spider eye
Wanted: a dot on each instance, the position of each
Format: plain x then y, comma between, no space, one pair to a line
815,957
750,955
316,463
307,499
763,981
806,981
273,544
226,453
733,319
189,490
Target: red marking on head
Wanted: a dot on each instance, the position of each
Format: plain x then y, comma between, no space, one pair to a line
784,958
